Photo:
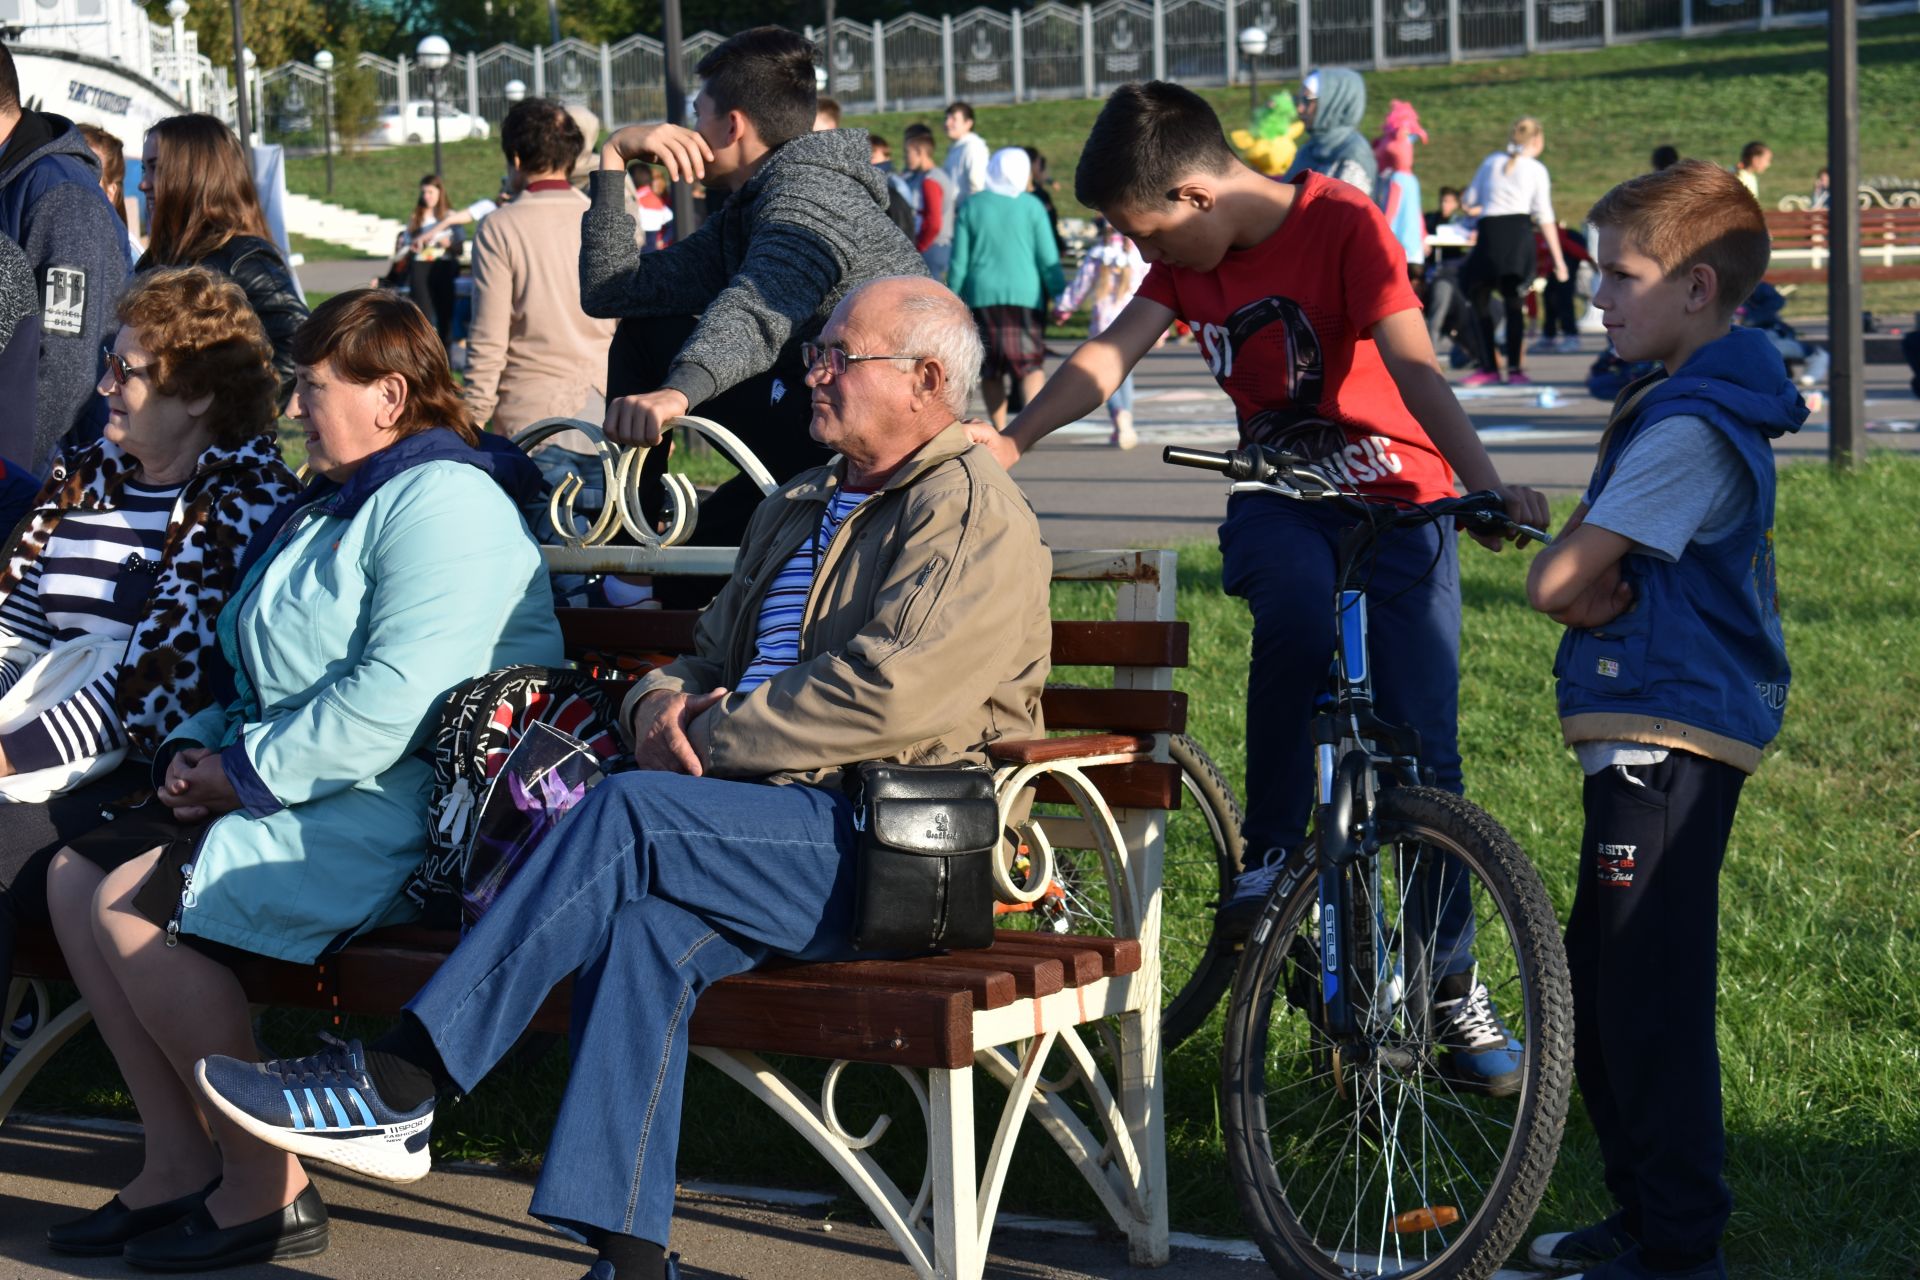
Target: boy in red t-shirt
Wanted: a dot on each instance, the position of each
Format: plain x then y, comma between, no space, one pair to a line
1299,297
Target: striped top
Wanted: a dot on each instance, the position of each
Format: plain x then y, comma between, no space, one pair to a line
777,642
93,579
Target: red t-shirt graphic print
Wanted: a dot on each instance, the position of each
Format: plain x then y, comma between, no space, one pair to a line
1283,327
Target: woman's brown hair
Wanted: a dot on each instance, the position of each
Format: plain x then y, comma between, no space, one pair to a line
205,340
441,206
203,195
367,334
112,154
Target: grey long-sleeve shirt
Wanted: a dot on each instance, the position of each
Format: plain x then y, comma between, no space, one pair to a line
764,272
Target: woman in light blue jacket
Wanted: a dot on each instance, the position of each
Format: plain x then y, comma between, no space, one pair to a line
289,818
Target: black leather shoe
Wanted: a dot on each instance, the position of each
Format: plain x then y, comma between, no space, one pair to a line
196,1243
106,1230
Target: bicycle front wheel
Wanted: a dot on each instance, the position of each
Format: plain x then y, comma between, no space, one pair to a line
1372,1152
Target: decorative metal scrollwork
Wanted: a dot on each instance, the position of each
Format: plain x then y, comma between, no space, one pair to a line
623,468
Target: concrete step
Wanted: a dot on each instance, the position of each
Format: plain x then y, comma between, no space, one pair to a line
365,232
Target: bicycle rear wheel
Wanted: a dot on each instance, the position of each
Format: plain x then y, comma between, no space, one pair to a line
1203,856
1367,1155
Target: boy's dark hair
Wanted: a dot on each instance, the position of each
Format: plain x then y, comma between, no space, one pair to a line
878,143
1752,151
1665,156
963,109
9,80
1692,214
1145,140
766,74
916,133
541,136
1449,191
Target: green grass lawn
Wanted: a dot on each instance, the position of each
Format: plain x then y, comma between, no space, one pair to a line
1604,112
1820,969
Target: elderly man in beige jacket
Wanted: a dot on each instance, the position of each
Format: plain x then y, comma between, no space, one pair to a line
533,353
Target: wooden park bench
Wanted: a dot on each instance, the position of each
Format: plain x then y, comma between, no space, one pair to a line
1008,1012
1889,245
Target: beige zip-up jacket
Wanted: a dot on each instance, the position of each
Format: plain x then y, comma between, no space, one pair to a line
925,637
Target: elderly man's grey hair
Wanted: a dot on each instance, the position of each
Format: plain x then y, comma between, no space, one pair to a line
931,322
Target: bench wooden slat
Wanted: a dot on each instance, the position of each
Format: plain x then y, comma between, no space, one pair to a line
1033,975
771,1013
1048,750
1118,956
1116,710
1119,644
1079,965
990,988
1147,785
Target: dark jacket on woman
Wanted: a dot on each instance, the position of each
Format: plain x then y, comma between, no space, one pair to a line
235,490
257,267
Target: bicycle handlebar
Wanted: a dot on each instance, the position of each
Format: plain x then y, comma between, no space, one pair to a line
1481,512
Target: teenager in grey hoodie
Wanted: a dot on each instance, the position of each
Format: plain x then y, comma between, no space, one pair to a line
52,206
1332,104
804,223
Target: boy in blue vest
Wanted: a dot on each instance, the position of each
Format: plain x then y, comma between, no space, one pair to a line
1672,679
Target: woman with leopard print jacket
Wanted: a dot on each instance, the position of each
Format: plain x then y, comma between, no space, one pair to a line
138,536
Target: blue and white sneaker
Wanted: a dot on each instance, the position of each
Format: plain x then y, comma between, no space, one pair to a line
1583,1249
603,1270
322,1107
1233,919
1480,1052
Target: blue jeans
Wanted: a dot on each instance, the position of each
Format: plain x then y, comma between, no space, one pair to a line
1280,556
653,888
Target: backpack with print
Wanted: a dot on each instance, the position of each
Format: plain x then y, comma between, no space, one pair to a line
482,722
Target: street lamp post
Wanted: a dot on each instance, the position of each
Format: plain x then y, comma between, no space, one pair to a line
177,10
1253,43
434,53
323,60
249,82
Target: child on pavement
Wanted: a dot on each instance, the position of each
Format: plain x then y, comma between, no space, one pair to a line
1672,679
1299,296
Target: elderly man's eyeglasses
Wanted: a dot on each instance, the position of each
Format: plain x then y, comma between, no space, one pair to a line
120,369
837,359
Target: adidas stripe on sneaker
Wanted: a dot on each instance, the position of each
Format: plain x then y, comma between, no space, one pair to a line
322,1107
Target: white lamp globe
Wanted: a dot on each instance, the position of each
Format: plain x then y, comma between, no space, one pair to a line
434,53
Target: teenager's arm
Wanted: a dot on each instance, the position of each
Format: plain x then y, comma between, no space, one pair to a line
618,280
1091,374
931,213
1576,581
1408,355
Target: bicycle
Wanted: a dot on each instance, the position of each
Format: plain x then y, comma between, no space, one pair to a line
1353,1148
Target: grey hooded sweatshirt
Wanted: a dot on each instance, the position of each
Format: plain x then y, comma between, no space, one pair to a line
52,206
763,272
1334,145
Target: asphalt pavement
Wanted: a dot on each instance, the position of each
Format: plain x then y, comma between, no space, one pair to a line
472,1222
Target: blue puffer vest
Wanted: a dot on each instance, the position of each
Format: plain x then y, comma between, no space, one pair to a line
1698,662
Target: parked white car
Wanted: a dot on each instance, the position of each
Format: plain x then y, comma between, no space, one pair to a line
392,128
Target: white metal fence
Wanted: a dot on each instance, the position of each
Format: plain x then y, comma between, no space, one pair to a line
1053,49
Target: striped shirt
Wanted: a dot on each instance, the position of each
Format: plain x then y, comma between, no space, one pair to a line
93,579
777,642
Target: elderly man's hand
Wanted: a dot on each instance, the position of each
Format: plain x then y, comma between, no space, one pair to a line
1001,446
660,730
643,419
197,786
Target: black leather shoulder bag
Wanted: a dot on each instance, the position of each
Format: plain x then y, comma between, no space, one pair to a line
927,837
